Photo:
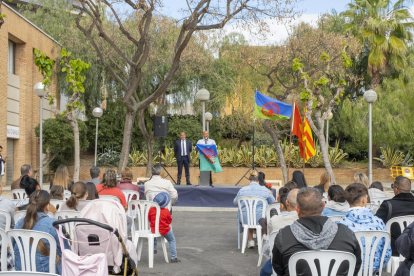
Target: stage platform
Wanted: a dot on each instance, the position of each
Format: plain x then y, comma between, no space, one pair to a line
202,196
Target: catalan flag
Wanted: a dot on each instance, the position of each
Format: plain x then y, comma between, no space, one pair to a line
297,127
268,108
307,138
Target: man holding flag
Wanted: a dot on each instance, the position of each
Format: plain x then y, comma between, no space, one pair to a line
208,155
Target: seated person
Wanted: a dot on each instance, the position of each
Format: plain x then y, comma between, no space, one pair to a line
282,191
360,218
286,217
37,219
158,184
337,204
62,178
312,232
57,192
126,182
404,245
92,191
163,199
78,198
8,206
291,185
26,169
376,190
299,179
95,173
254,189
30,185
402,204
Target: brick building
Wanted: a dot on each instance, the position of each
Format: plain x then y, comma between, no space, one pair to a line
19,112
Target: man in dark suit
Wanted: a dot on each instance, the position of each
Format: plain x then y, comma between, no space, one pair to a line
182,150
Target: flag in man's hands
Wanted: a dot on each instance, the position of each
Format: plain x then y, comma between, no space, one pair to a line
208,158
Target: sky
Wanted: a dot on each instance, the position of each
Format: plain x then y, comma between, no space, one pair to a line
278,31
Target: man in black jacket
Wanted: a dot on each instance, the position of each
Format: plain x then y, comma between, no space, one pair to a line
312,232
402,204
182,149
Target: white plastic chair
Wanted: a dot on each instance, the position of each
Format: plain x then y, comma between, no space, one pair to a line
325,257
109,197
335,218
26,273
19,193
70,226
129,194
28,259
250,203
151,196
272,238
8,219
16,201
66,195
368,257
266,236
57,203
412,270
379,200
403,222
144,231
3,252
19,215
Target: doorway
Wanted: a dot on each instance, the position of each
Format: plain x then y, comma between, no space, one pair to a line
10,162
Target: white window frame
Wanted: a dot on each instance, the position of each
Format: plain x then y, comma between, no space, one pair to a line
11,57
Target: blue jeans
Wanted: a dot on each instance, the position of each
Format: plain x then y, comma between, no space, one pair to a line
171,240
267,268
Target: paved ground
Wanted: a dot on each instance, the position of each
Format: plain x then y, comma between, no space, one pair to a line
206,245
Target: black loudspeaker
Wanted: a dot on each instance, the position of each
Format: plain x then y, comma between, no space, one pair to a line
160,126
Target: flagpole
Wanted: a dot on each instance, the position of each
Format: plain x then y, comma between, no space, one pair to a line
303,138
290,138
253,134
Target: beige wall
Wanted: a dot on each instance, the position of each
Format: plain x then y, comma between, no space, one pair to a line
16,91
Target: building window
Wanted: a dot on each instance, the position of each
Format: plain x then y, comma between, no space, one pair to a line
12,58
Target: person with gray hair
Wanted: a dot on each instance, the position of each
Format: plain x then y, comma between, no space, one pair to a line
95,174
312,232
158,184
26,169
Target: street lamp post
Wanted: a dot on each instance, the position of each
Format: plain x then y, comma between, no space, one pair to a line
40,91
203,96
208,118
97,113
370,97
330,116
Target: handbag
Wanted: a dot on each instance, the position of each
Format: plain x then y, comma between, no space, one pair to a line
88,265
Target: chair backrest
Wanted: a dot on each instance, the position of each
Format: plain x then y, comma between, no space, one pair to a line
335,218
7,216
66,215
66,195
250,203
28,257
19,215
272,238
379,200
151,196
368,257
402,221
129,194
16,201
140,220
109,197
57,203
18,193
3,252
325,257
27,273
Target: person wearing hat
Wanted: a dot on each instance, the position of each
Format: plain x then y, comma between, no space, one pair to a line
163,199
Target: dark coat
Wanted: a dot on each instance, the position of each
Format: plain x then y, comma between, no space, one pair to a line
402,205
403,245
286,245
177,149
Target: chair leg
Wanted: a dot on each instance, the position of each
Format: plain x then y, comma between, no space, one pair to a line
244,243
238,234
150,251
259,263
395,263
259,240
140,245
164,249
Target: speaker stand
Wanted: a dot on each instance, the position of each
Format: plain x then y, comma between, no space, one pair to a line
162,166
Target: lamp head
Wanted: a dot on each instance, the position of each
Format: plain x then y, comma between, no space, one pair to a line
39,89
203,95
208,116
330,116
97,112
370,96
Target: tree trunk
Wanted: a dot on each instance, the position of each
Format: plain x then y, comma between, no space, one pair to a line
376,79
76,166
278,149
149,163
325,152
148,139
126,142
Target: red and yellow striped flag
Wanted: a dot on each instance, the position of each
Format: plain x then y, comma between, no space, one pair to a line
308,138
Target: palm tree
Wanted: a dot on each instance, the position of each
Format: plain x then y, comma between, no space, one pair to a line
385,29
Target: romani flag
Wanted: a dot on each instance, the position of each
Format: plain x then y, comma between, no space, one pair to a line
268,108
208,158
307,137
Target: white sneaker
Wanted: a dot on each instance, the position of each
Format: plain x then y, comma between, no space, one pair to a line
251,244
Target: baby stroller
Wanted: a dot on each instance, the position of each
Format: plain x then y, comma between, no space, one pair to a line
96,222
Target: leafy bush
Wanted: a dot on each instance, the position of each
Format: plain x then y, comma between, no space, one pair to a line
109,158
316,161
390,157
336,155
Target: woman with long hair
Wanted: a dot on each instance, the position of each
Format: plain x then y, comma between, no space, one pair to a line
92,192
337,204
37,219
362,178
62,178
78,198
324,182
108,187
57,192
299,179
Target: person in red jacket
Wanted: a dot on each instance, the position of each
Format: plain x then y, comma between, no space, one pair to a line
163,199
